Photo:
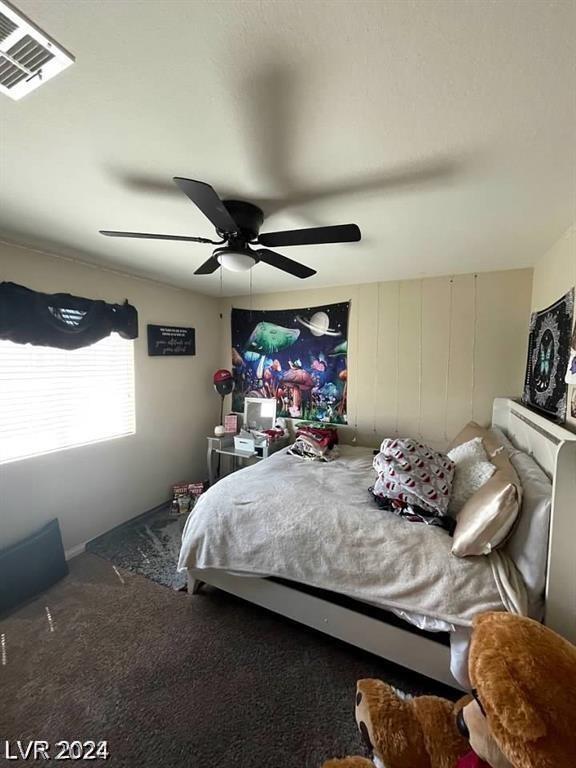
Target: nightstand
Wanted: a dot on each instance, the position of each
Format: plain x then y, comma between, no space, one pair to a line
224,446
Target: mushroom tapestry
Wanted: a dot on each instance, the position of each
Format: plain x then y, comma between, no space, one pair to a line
298,356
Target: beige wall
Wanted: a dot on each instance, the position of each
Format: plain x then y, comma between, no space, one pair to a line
425,356
94,487
554,275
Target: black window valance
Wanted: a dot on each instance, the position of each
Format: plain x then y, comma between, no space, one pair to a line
61,320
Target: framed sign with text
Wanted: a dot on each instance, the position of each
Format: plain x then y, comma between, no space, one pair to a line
171,340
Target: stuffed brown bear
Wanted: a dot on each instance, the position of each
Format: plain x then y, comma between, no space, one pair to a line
521,714
404,732
524,682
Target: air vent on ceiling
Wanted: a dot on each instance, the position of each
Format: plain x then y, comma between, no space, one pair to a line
28,57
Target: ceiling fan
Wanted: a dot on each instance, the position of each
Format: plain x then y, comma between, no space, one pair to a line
238,224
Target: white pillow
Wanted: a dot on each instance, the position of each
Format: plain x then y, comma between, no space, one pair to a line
473,469
528,545
504,441
473,450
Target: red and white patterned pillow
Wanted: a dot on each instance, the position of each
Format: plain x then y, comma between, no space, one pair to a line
413,474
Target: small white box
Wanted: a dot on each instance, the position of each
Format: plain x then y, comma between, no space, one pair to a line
244,444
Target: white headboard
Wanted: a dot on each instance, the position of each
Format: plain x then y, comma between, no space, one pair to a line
554,448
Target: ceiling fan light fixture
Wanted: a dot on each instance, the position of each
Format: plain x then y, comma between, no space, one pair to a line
237,223
235,259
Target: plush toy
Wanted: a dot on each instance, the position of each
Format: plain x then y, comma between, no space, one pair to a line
522,713
404,732
524,682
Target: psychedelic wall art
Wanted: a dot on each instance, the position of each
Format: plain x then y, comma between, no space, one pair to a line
298,356
571,370
571,374
548,353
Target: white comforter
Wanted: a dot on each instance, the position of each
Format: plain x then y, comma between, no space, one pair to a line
316,524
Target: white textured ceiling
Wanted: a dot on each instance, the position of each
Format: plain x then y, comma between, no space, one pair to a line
445,130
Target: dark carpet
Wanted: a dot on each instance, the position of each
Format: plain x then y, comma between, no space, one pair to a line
169,679
148,545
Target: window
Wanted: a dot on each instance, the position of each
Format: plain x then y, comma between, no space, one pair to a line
53,398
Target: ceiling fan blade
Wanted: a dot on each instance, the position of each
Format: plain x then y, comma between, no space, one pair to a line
285,264
209,266
148,236
342,233
205,197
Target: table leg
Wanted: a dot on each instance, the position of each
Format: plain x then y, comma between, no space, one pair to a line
210,459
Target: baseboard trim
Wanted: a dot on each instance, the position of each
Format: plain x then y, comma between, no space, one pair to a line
75,551
78,549
128,522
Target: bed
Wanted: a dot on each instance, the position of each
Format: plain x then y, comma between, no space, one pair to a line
297,537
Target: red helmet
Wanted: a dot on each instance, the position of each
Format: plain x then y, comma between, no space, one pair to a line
222,375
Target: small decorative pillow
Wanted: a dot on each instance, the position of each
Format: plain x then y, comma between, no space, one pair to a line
472,470
472,450
487,518
492,443
414,474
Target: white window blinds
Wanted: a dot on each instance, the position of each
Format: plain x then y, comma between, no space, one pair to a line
54,398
